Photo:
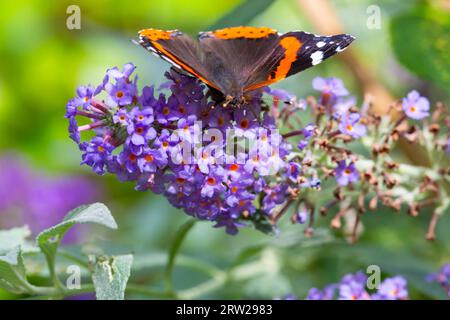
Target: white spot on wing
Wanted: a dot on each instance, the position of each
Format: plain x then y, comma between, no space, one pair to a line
339,49
316,57
320,44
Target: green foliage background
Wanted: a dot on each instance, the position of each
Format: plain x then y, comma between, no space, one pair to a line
42,63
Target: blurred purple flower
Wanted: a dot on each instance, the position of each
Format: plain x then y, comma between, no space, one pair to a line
442,277
349,125
37,200
415,106
346,174
394,288
332,86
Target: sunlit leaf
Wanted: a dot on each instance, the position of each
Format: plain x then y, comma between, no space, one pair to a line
14,237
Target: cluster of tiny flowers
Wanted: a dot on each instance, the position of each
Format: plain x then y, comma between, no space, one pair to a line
442,277
174,144
337,121
354,287
230,165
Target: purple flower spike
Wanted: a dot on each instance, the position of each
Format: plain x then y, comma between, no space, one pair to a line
415,106
346,174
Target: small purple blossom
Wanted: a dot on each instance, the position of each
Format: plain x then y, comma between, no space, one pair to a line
96,154
346,174
349,125
415,106
394,288
120,94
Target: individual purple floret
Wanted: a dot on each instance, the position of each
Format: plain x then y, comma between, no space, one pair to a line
415,106
346,174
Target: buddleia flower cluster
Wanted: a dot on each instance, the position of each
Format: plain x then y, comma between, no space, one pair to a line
236,166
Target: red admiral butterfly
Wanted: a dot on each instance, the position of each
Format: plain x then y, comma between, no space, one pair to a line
238,60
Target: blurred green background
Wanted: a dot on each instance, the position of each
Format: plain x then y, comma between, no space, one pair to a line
42,63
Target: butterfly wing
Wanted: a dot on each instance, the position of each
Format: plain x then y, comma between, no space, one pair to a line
180,50
295,52
240,50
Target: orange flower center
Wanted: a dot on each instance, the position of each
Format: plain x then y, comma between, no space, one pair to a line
165,144
149,158
211,181
140,130
181,109
412,109
165,111
132,157
119,94
234,167
244,123
100,149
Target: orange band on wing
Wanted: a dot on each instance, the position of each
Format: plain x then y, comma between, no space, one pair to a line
242,32
155,34
291,45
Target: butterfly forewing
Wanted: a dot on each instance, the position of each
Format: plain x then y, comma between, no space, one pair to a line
180,50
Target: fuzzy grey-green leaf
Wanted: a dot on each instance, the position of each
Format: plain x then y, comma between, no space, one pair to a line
49,239
110,276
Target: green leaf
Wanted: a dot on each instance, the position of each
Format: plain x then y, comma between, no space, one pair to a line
14,237
12,272
49,239
242,14
110,276
421,42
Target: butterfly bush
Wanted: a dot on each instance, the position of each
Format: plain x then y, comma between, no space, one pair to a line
232,165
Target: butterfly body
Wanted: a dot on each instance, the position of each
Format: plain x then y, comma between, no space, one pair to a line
236,61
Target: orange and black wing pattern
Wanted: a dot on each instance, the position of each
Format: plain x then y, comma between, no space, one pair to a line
295,52
241,59
178,49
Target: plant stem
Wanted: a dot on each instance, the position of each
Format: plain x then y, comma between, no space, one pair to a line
173,251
